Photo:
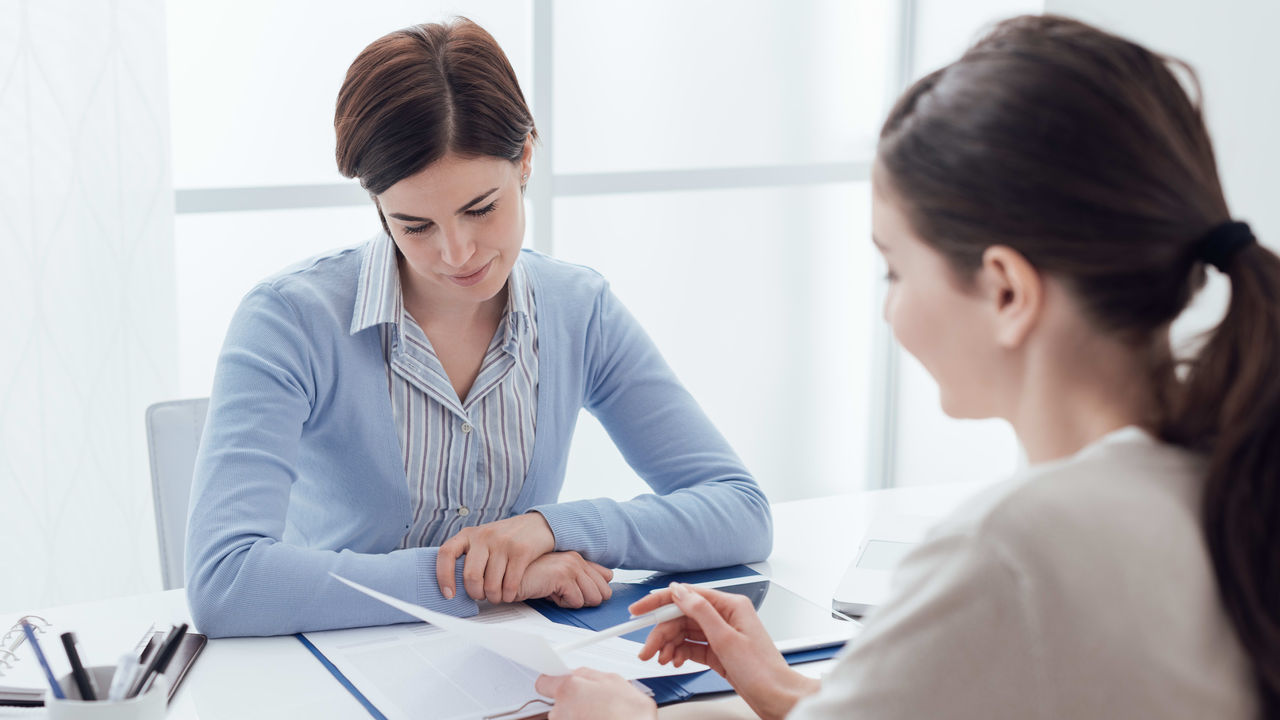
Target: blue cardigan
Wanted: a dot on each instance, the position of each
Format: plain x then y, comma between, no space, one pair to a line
300,470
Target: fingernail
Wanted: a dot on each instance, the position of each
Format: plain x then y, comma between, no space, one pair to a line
448,594
680,590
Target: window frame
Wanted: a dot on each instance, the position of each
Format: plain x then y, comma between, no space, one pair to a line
883,403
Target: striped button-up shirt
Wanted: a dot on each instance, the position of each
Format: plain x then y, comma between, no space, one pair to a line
465,461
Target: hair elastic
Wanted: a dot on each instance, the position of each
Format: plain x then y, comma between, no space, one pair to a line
1220,244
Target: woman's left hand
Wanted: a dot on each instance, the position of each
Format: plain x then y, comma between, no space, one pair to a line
590,694
497,554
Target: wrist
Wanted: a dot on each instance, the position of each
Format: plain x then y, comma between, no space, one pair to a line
548,535
578,525
781,696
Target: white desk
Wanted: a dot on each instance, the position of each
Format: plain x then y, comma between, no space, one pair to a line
273,678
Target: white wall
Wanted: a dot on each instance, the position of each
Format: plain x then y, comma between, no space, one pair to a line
86,283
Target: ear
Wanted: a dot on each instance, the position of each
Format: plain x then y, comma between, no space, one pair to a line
526,157
1016,293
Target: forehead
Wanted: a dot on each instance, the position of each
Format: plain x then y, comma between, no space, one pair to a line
889,225
446,184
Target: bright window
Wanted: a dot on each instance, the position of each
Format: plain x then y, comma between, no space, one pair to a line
710,158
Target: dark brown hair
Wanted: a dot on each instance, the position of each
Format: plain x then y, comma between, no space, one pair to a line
418,93
1083,152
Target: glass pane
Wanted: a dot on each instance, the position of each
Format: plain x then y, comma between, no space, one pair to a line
220,256
253,82
704,83
761,301
946,28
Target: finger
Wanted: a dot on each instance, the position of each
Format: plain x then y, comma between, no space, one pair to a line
697,608
516,565
570,595
667,645
599,577
473,571
590,591
601,570
737,610
668,653
494,572
650,602
549,685
600,584
662,634
447,561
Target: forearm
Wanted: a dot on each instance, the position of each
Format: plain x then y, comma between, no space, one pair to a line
267,587
707,525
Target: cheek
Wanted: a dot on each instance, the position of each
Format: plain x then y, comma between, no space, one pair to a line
907,315
940,331
507,229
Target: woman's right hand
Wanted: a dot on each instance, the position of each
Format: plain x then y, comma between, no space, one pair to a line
723,631
567,579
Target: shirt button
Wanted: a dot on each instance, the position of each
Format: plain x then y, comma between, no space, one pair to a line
466,427
464,511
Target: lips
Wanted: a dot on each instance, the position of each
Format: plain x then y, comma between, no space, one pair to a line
469,279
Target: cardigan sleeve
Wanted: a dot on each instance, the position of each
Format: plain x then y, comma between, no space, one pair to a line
705,511
242,578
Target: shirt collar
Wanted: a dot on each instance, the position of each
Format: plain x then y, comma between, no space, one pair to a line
379,299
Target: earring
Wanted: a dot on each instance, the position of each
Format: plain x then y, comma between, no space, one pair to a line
524,177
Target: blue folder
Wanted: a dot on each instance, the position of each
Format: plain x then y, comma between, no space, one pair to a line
614,611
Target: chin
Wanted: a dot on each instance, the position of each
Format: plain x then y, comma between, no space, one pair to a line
958,409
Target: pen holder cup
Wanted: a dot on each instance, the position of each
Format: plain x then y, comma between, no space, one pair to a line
150,705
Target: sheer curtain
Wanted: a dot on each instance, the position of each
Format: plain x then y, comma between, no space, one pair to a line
86,281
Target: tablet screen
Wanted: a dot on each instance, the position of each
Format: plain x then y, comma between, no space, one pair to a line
793,622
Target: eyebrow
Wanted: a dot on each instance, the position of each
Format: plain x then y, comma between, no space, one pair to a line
464,208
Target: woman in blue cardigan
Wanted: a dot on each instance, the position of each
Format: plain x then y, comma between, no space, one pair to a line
400,413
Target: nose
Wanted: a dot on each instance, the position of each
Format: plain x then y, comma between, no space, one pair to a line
456,247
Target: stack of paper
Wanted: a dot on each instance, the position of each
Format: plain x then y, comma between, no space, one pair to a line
482,667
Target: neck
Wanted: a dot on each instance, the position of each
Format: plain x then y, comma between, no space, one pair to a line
1077,392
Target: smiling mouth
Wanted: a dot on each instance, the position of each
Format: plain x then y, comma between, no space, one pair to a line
469,276
473,277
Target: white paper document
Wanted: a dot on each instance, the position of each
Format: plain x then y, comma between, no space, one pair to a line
480,667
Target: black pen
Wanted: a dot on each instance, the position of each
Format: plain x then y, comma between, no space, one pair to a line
162,663
160,658
78,673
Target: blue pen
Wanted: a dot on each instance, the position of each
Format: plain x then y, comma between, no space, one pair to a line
48,672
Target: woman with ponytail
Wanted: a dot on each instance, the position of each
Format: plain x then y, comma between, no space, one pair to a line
1047,206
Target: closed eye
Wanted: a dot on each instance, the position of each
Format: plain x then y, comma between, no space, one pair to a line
481,212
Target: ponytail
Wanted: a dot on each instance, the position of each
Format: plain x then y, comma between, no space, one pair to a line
1229,407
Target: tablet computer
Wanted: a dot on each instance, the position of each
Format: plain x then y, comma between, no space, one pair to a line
793,622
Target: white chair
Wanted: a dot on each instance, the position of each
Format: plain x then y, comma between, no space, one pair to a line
173,437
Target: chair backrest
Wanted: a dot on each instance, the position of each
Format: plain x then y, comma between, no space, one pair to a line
173,437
